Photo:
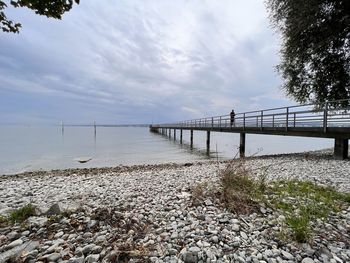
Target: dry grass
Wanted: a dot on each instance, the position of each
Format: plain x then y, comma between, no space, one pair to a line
239,191
199,193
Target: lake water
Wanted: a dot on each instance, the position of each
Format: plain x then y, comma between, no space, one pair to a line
30,148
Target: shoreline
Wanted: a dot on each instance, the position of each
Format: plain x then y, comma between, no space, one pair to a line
318,154
145,213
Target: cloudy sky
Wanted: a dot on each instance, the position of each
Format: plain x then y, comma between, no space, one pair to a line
132,61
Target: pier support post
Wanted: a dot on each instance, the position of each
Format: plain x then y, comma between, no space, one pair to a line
341,148
242,145
181,136
174,134
191,140
208,142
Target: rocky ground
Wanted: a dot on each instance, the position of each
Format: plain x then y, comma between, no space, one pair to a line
146,214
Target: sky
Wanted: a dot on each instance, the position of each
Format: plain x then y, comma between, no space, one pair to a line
131,61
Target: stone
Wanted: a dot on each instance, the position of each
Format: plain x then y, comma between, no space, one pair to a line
52,257
54,210
189,257
287,255
15,243
235,227
18,250
59,234
87,249
194,249
76,260
243,235
174,235
13,235
25,233
92,258
215,239
307,260
37,221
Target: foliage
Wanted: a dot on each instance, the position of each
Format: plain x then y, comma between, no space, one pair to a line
239,190
50,8
3,220
199,193
303,202
300,202
315,48
21,214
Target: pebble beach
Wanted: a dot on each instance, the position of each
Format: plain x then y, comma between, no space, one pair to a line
145,214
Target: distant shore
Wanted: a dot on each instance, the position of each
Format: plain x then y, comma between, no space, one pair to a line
148,208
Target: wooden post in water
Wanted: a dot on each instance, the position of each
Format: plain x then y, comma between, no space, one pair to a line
242,145
341,148
208,142
181,136
174,134
95,129
62,127
191,140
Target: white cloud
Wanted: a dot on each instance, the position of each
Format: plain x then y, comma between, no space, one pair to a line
148,57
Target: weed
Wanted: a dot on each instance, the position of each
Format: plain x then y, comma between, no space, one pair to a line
3,220
300,226
55,218
240,192
199,193
21,214
301,202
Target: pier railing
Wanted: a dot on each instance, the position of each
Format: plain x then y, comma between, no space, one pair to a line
309,115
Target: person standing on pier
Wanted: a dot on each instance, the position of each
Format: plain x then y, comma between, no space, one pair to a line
232,117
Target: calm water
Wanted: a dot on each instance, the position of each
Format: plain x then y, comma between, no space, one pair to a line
28,148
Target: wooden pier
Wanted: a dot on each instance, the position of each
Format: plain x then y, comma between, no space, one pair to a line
310,120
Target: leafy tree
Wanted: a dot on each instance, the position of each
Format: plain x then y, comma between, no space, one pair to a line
315,49
49,8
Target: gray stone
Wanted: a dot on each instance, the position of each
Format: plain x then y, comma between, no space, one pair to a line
96,250
235,227
243,235
287,255
215,239
13,235
189,257
59,234
25,233
92,258
37,221
76,260
194,249
15,243
54,210
18,250
307,260
52,257
87,249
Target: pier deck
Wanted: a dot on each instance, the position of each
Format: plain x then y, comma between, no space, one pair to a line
310,120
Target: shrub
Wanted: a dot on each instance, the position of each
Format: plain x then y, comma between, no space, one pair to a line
239,191
21,214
